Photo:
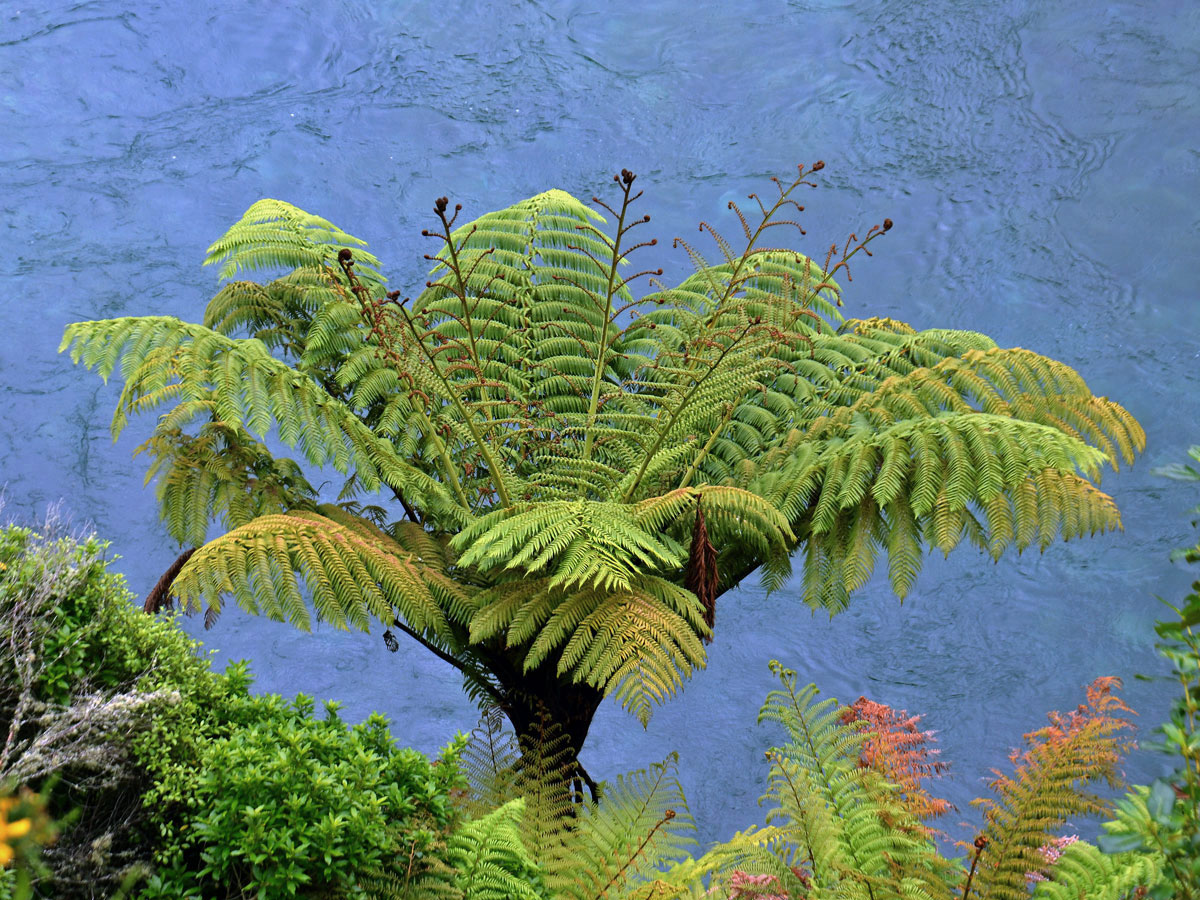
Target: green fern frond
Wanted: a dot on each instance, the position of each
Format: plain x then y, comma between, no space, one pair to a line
250,388
489,764
489,859
273,234
637,645
352,570
220,473
858,836
1083,871
640,823
581,543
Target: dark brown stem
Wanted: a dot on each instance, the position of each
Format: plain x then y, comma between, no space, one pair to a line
980,843
412,513
160,595
463,667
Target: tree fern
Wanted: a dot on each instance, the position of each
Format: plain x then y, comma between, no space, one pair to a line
592,468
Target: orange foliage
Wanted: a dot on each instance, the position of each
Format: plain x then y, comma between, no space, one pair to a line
901,753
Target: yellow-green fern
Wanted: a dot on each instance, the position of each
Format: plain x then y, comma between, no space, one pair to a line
578,472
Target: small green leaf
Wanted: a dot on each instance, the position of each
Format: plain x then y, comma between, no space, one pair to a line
1161,801
1119,843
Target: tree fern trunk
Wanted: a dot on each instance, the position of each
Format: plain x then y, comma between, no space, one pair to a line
541,697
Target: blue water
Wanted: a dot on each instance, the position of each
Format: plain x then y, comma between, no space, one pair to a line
1041,161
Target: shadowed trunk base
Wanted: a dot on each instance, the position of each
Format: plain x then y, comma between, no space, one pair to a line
541,699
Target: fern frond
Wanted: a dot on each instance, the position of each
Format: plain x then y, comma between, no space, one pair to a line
899,751
273,234
637,645
247,387
1085,871
640,823
581,543
489,859
855,830
1047,787
220,473
352,570
929,476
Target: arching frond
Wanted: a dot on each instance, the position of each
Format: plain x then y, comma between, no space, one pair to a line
354,573
272,234
163,359
580,544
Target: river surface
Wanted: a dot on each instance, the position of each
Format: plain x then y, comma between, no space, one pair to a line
1041,161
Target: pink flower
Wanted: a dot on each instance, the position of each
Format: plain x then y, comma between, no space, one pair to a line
1051,853
743,886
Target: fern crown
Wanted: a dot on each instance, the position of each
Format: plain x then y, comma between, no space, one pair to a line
571,473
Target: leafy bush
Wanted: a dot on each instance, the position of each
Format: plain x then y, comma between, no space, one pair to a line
178,776
58,597
82,672
294,802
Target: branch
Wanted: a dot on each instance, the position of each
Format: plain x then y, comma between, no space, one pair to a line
412,514
463,667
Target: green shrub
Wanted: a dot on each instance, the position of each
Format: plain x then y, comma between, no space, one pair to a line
178,777
82,674
78,620
293,802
